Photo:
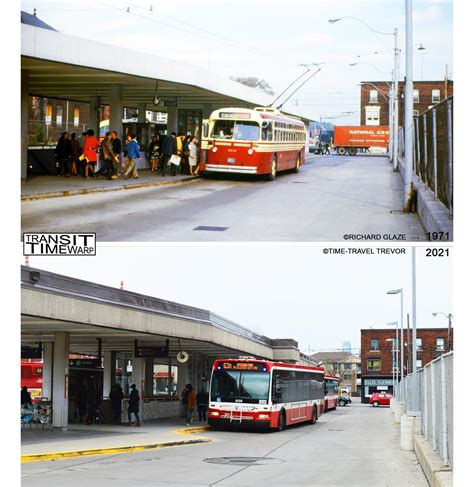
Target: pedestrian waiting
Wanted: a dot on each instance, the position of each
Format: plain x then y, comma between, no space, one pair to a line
25,397
188,398
202,400
107,156
154,152
116,397
192,159
62,155
133,406
89,151
75,154
117,150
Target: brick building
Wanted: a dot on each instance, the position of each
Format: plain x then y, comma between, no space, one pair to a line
344,365
377,361
375,95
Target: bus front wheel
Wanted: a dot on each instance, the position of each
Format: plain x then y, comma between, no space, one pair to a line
273,170
282,421
314,416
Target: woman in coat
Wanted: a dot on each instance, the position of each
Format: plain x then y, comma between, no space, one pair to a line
89,150
133,405
193,163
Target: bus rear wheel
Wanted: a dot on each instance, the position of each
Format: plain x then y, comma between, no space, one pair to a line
282,421
298,164
274,170
341,151
352,151
314,416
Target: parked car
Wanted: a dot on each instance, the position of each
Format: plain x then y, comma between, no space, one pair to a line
380,399
344,400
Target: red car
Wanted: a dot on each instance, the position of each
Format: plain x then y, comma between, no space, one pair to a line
380,399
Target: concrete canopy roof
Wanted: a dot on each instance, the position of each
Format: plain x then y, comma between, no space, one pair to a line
62,66
52,302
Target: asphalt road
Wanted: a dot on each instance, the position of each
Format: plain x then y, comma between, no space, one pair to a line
330,197
354,446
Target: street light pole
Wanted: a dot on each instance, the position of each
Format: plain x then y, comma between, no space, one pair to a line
408,176
397,395
393,366
402,358
414,347
395,101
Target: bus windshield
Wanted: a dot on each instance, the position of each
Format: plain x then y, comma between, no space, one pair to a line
240,386
237,130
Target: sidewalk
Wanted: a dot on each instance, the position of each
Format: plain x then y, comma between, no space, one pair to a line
85,440
41,187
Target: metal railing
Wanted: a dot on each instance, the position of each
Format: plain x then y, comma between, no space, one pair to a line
435,401
433,150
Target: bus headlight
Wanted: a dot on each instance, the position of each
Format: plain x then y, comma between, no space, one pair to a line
214,149
214,413
250,152
263,416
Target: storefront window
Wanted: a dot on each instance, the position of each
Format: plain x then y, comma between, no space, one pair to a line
122,373
164,383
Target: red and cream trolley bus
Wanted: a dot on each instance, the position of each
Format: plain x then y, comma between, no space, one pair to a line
259,141
262,395
331,392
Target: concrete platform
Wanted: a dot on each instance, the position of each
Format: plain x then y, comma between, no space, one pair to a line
85,440
43,187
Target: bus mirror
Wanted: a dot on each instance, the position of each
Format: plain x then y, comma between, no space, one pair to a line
264,124
205,128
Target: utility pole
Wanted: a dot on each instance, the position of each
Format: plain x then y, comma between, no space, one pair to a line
408,176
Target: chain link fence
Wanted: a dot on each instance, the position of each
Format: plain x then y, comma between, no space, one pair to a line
433,150
434,399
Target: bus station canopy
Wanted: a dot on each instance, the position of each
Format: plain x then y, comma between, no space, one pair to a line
66,67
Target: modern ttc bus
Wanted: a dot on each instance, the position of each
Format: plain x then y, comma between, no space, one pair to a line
264,395
245,141
331,392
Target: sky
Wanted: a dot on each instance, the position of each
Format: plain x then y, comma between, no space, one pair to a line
271,38
281,291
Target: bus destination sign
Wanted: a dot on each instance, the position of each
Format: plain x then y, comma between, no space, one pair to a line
234,115
255,366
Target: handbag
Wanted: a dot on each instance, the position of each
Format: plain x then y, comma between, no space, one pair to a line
174,159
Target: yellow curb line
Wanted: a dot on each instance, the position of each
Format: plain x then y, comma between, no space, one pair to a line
39,457
60,194
187,431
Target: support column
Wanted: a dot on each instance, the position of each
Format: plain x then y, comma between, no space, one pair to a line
116,109
60,379
138,375
47,388
94,109
172,124
141,112
148,377
25,81
183,378
107,382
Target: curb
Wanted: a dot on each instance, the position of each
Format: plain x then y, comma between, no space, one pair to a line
40,457
436,472
60,194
